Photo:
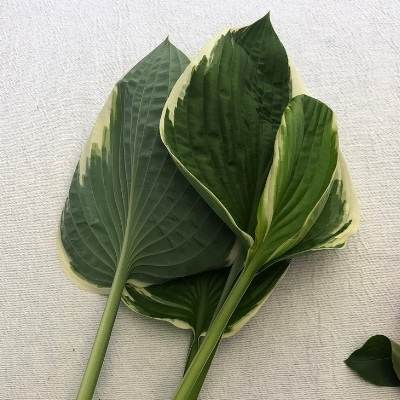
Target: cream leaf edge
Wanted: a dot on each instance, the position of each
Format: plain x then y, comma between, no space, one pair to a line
178,93
265,213
96,137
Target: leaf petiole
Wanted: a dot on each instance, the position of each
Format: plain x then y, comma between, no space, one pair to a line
213,336
99,349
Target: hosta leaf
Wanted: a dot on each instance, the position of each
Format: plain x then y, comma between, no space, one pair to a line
156,223
190,302
308,186
221,118
308,202
255,296
338,219
377,361
186,302
128,204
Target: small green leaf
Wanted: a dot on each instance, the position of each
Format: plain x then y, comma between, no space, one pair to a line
377,361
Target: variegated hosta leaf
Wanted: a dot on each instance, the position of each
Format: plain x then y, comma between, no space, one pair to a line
221,118
128,204
309,201
338,219
306,179
189,302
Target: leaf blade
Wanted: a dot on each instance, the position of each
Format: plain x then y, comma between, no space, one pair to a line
374,361
239,138
305,161
129,201
180,301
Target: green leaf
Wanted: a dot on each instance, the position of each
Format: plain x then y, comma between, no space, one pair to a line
130,214
219,124
220,121
186,302
128,205
338,219
308,202
396,357
308,186
377,361
189,302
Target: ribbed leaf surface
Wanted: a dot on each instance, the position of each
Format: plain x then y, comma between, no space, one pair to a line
308,202
128,203
221,118
190,302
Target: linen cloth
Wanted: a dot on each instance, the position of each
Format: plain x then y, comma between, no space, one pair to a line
59,61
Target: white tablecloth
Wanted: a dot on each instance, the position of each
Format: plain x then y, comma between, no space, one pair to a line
59,60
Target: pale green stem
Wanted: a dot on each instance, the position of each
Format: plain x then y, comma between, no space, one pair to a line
215,332
194,393
233,273
199,326
95,362
193,349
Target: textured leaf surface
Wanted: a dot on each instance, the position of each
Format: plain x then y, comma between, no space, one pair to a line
190,302
308,202
221,118
128,203
377,361
338,219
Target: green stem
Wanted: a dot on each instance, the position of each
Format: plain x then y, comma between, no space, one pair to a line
194,393
234,272
193,349
215,332
100,345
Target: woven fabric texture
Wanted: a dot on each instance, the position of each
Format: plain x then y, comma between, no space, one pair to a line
59,61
